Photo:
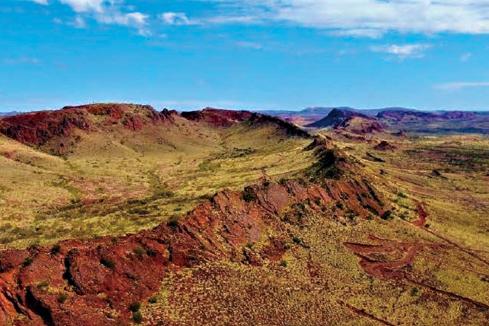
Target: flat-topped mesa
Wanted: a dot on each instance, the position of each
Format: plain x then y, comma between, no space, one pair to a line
131,116
94,282
37,128
401,115
218,117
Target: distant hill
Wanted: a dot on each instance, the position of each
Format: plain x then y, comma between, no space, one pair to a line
350,121
117,128
8,114
335,117
436,121
304,117
395,118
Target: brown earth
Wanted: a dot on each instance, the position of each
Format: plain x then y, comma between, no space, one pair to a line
63,126
384,146
95,282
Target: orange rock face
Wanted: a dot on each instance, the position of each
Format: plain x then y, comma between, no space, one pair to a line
37,128
94,282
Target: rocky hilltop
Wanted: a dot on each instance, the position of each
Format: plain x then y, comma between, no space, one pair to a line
350,121
97,282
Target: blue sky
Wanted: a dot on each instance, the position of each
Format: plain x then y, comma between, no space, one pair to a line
254,54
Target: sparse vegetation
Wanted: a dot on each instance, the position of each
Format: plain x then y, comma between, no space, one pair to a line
61,298
249,194
135,185
55,249
139,251
135,306
107,262
311,274
27,262
137,317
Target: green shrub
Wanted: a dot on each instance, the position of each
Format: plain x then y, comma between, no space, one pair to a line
28,261
135,306
297,240
43,285
55,249
248,195
137,317
139,251
62,297
414,292
387,215
401,194
173,222
107,262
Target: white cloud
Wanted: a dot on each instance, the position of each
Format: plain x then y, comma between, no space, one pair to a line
85,5
105,12
360,18
461,85
365,17
403,51
175,18
133,19
181,19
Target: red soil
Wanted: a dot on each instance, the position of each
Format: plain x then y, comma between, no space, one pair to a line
422,216
421,222
385,259
94,282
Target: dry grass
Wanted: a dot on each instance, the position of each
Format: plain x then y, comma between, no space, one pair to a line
128,183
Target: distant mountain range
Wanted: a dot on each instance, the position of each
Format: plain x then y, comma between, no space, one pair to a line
8,114
365,120
396,118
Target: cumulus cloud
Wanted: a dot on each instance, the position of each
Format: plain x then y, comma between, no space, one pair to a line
403,51
360,18
105,12
175,18
454,86
370,18
85,5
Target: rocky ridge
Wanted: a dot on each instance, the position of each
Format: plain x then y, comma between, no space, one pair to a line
97,282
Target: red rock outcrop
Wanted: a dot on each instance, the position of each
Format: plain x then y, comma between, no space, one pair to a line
95,282
38,128
228,118
217,117
384,146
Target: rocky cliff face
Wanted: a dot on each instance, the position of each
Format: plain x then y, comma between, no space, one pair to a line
97,282
350,121
38,128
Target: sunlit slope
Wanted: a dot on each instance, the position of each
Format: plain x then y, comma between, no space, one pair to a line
118,180
427,262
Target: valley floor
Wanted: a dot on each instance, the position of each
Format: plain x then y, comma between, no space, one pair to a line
402,238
